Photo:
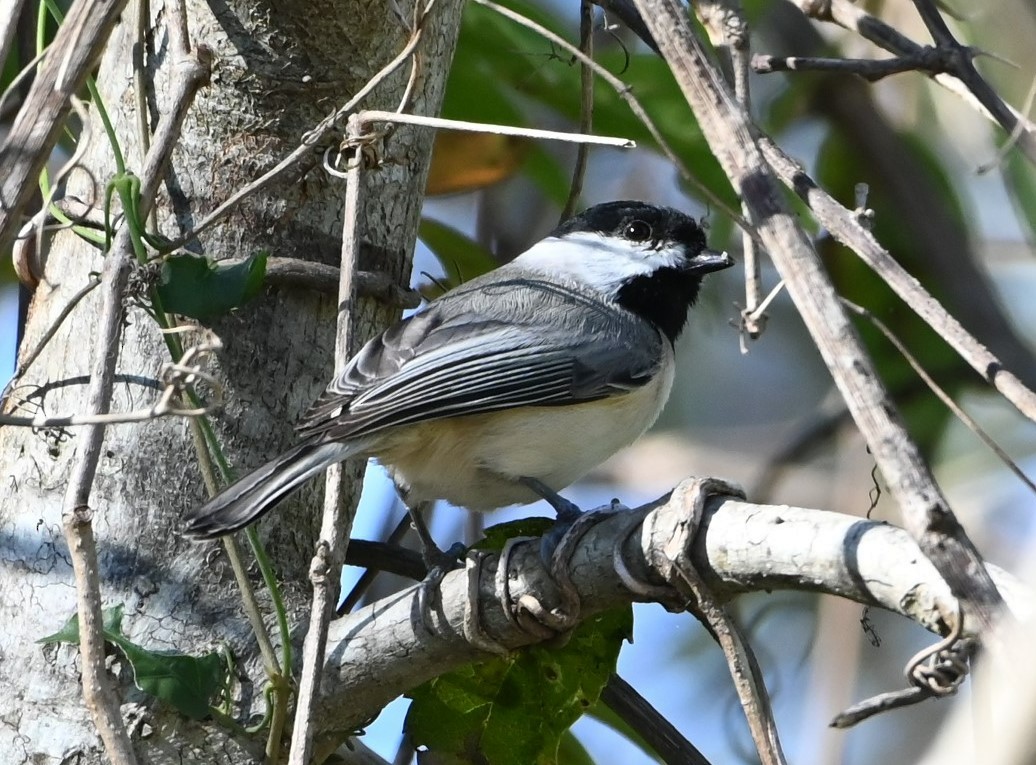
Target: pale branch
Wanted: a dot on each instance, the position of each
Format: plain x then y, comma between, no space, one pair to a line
381,650
75,50
960,75
732,139
339,506
100,696
844,225
373,115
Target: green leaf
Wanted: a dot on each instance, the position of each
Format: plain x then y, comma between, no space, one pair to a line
516,710
202,288
112,625
185,682
494,537
461,257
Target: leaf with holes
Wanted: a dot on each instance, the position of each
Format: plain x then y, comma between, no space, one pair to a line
516,710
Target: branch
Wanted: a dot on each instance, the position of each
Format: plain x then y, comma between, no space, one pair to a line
97,691
325,570
731,137
959,76
844,225
74,52
381,650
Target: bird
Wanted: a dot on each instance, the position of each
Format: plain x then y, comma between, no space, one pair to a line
512,386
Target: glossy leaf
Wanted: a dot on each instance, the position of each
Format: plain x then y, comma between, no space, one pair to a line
202,288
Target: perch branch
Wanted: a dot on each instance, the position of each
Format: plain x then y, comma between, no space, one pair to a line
740,547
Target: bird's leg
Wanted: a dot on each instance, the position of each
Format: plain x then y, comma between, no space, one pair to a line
438,562
558,545
567,511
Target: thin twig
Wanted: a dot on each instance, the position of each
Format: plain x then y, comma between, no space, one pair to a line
952,405
586,106
846,228
869,69
339,510
648,723
684,512
374,115
27,361
313,138
375,285
73,53
725,22
962,79
625,92
177,378
101,698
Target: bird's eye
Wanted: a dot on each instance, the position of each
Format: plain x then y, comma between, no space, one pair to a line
637,231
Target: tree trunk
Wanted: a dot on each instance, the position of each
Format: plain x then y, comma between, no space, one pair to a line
279,68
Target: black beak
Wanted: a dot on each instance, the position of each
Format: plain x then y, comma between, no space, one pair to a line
707,261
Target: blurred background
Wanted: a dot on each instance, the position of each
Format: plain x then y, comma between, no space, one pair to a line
952,207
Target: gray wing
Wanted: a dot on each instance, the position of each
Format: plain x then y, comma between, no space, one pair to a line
496,343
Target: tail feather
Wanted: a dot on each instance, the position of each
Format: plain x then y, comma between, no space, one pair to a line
252,496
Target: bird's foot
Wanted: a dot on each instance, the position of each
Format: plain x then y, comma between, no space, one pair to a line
557,549
438,563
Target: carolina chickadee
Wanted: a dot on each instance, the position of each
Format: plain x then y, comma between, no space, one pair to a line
513,385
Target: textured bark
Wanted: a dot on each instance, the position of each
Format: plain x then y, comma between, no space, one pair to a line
279,68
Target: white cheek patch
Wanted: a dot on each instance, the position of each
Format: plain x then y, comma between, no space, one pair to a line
601,263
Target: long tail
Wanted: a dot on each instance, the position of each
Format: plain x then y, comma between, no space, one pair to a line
251,497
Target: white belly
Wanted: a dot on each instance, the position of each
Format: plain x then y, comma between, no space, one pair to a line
474,461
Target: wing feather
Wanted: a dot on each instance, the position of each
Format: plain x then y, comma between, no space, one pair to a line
518,342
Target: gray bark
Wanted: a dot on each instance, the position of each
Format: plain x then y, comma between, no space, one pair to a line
279,68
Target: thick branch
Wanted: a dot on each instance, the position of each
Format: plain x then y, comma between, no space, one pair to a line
730,135
383,650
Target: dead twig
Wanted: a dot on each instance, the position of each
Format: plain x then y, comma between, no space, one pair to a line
968,421
625,92
339,511
100,697
75,50
683,513
586,106
731,137
959,76
176,378
844,225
